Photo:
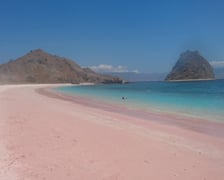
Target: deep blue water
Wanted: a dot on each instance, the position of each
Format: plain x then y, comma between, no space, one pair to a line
197,98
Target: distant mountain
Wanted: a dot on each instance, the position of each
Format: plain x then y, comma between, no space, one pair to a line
39,66
133,77
191,65
219,73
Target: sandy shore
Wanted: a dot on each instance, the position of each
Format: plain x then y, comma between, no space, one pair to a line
53,138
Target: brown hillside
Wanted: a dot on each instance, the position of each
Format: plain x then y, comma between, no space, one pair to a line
40,67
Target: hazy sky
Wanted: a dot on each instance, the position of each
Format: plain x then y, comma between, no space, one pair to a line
147,36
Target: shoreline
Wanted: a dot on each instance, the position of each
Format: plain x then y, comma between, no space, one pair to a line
51,137
197,112
189,80
181,120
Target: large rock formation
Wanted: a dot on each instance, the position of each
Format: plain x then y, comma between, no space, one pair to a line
40,67
191,66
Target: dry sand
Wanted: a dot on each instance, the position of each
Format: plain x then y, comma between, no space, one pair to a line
50,138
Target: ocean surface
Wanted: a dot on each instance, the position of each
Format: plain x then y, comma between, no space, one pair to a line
204,99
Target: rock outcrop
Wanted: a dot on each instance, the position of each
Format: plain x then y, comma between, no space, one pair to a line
40,67
191,66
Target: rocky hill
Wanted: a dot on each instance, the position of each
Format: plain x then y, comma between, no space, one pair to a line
191,66
40,67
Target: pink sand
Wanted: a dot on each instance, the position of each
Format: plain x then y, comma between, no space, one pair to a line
44,137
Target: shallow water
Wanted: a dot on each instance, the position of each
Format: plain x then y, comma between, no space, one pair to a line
196,98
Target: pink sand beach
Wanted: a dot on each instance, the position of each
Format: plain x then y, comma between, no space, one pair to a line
47,136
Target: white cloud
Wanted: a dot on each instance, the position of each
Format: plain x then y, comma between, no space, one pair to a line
217,64
103,68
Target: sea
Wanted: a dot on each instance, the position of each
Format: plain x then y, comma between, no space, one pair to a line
203,99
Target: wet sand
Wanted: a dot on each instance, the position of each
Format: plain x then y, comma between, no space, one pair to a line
50,136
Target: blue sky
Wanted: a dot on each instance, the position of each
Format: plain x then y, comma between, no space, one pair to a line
147,36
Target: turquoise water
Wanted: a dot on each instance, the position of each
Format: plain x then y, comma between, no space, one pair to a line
195,98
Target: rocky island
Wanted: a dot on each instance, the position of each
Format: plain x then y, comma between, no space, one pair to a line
38,66
191,66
